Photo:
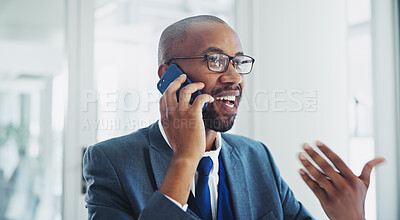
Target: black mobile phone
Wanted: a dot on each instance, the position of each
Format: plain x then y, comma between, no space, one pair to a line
172,73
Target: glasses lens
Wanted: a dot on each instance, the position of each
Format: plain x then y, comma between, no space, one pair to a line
243,64
218,62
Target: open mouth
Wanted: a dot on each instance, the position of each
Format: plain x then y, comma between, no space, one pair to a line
228,101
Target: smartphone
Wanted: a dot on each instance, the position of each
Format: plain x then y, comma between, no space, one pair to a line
172,73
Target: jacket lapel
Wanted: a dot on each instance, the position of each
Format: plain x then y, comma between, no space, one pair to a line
160,154
239,191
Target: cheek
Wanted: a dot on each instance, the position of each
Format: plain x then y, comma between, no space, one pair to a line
210,79
210,84
197,71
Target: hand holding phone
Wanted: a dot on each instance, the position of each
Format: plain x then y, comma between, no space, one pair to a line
172,73
184,130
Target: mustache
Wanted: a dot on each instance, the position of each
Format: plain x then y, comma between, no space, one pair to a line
226,88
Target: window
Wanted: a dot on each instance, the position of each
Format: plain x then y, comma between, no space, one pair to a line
361,139
31,108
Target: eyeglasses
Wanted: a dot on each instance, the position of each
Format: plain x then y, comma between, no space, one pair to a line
219,62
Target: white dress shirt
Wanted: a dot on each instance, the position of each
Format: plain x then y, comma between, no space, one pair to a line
213,177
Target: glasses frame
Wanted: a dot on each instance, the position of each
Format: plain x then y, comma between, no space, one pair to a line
208,61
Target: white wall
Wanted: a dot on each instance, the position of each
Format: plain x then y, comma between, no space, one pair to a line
386,105
298,45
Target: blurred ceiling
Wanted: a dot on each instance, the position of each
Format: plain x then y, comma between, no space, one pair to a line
31,39
30,20
32,32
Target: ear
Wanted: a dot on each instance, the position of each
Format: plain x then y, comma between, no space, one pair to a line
162,68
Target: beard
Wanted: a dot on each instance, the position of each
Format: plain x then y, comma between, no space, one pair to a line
217,121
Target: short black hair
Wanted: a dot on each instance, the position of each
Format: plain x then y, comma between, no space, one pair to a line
176,34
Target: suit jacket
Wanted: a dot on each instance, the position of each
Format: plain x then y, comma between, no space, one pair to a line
124,173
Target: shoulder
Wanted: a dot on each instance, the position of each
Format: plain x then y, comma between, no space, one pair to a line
138,138
238,138
244,144
124,147
253,153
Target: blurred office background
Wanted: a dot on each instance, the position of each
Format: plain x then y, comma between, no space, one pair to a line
75,72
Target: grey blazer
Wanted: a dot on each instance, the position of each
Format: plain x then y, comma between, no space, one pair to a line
124,173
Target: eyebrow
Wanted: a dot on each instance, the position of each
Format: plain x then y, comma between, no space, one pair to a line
218,50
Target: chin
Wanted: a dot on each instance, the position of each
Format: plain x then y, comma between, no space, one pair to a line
217,121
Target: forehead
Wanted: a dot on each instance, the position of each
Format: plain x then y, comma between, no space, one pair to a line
202,36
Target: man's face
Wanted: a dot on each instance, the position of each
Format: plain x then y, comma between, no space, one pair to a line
205,38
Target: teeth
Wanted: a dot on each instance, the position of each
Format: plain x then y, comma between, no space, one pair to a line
228,98
230,105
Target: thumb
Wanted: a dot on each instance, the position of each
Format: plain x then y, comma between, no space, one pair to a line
366,172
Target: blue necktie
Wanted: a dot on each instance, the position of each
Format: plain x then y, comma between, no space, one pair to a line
202,188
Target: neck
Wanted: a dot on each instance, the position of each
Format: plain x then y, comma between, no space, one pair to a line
211,135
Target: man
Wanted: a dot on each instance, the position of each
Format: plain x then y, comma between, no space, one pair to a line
185,167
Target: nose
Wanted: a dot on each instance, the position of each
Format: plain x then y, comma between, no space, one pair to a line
231,76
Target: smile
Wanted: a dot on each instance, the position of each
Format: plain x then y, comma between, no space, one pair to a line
227,100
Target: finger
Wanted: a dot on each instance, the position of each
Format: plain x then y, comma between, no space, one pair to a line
317,190
335,159
170,92
319,177
366,172
163,112
186,94
200,101
162,107
324,165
